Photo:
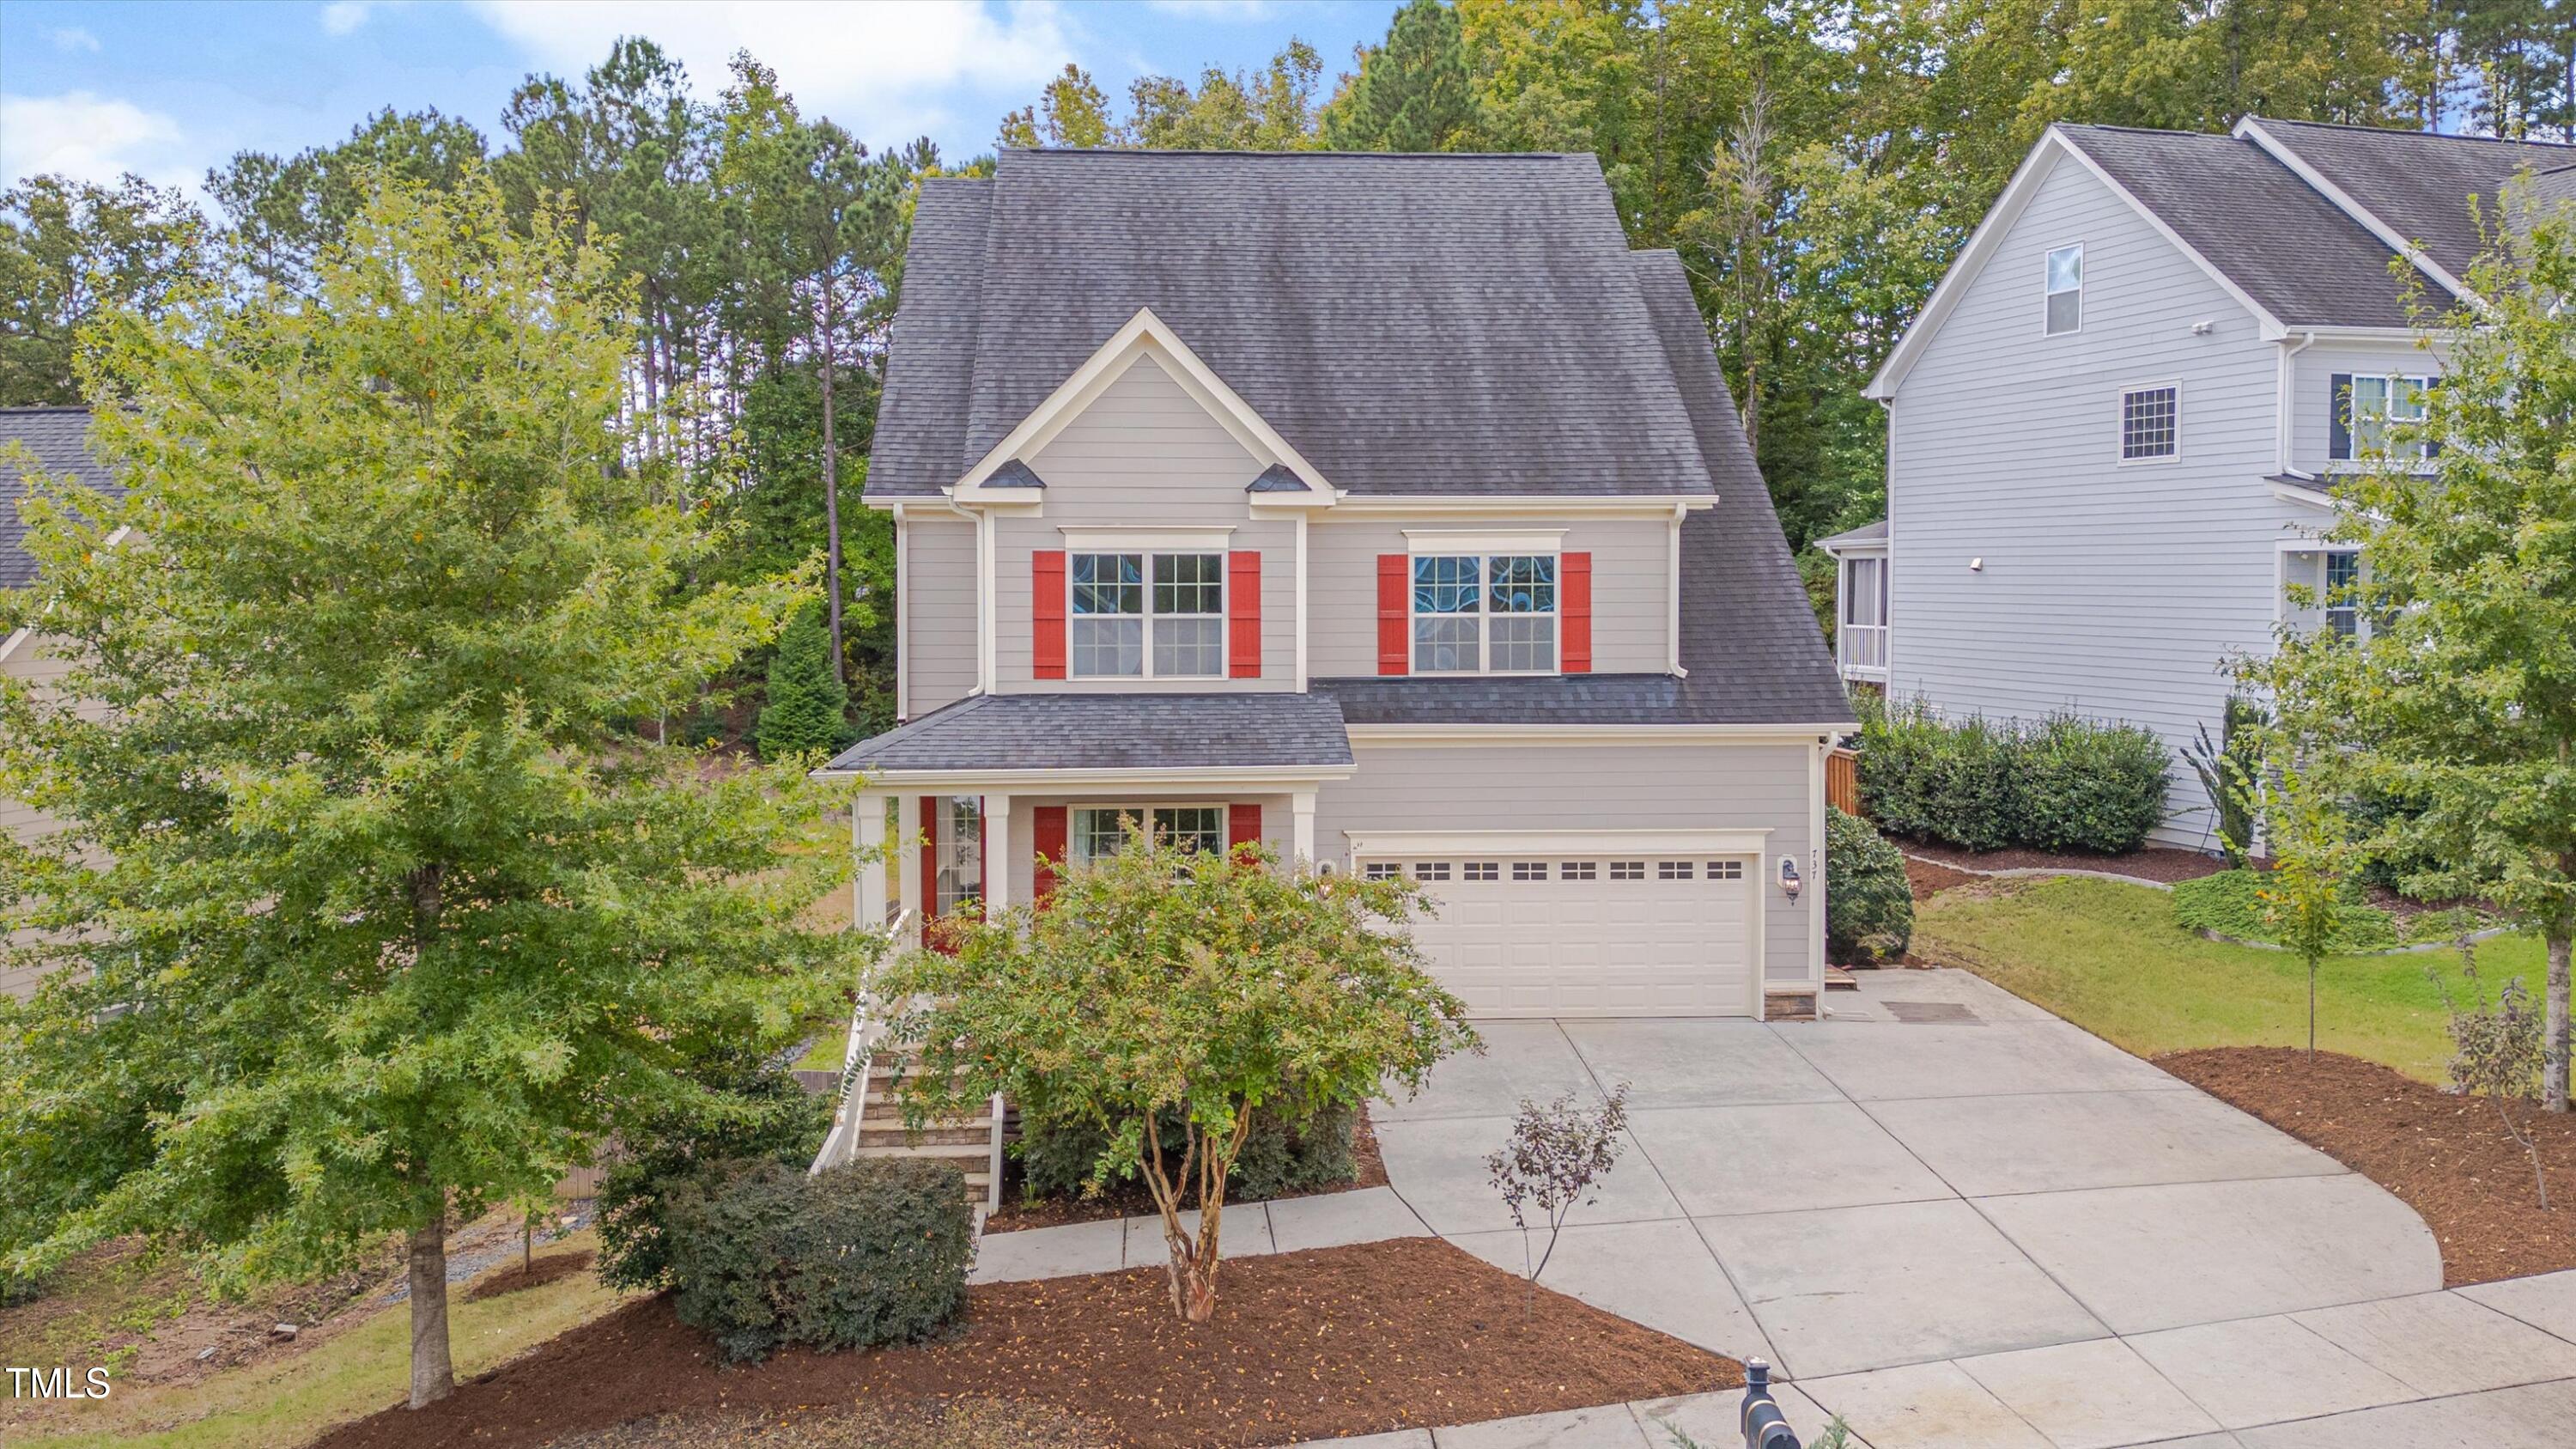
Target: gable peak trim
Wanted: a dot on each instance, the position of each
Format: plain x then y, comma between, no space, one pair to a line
1144,336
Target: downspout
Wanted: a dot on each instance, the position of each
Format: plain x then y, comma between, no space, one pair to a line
983,522
2283,399
902,615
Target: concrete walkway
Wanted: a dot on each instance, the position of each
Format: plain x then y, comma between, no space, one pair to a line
1959,1221
1329,1220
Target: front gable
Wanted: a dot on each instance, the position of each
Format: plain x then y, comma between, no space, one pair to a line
1142,387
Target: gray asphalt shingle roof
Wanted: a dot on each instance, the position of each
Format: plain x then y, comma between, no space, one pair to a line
59,439
1111,732
2419,184
2276,237
1875,532
1447,324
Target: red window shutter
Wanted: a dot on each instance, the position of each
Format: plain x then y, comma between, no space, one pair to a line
1053,834
1574,610
1242,824
1243,614
1394,613
1046,613
929,907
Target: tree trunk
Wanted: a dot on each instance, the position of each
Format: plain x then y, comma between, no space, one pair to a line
2553,1074
433,1374
831,499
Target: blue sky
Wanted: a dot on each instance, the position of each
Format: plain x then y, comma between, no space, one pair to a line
167,90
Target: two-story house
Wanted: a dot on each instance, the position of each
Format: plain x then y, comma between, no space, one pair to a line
54,442
2113,434
1387,510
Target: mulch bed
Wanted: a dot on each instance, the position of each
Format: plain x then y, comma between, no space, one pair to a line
2447,1157
518,1279
1131,1200
2156,862
1311,1345
1929,879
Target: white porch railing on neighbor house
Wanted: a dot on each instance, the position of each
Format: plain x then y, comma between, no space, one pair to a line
1864,646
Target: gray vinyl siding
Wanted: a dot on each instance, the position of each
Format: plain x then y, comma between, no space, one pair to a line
2313,404
1144,454
939,612
2111,590
1594,787
1631,566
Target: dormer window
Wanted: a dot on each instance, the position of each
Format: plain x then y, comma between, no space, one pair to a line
1148,615
2063,289
1484,614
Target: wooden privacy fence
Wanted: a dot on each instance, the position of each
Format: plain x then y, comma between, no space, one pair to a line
1842,780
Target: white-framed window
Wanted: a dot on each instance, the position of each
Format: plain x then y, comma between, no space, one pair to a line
1100,831
1726,870
1627,870
2376,406
1481,870
2062,288
1579,870
1431,870
2342,605
1529,870
1381,870
1672,870
1147,615
1484,614
958,854
2151,423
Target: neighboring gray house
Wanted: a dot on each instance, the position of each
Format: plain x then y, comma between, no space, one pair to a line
2114,431
1388,510
53,441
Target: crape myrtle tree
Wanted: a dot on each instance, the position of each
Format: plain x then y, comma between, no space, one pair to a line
368,912
1218,984
2458,694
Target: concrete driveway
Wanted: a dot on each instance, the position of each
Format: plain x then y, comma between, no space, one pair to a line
1957,1220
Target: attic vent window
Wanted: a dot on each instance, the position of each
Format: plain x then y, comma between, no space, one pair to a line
2065,289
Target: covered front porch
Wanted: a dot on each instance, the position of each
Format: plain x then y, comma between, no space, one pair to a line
973,808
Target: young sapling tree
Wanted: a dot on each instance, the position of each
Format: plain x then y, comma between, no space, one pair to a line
1555,1162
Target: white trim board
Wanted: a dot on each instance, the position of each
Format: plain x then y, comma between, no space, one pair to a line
1374,844
1275,778
1415,735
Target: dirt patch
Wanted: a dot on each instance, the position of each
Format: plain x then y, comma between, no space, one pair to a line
1131,1200
2156,863
1930,879
1311,1345
518,1278
967,1424
2447,1157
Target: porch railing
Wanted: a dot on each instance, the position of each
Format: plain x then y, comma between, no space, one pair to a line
1864,646
842,1142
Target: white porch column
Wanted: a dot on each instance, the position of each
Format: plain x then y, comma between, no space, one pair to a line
868,839
997,855
907,854
1301,808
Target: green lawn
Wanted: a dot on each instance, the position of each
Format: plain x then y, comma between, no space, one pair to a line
2109,958
353,1373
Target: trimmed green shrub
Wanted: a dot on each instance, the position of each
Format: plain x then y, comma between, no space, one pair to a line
2230,904
1869,904
2084,786
746,1112
2064,784
871,1252
1056,1158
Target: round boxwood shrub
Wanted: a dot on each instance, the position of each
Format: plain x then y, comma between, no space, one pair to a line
1056,1157
2230,904
871,1252
1869,904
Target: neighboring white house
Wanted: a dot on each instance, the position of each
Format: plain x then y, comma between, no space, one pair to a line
1387,510
2113,433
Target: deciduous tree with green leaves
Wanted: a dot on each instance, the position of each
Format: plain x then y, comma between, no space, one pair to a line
368,914
2460,692
69,249
1159,977
2304,895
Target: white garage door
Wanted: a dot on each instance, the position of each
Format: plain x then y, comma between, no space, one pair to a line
1586,935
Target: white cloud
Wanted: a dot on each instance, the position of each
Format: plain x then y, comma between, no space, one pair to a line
90,137
72,37
342,16
881,69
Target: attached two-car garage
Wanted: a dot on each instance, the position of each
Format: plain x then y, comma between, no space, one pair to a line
1587,924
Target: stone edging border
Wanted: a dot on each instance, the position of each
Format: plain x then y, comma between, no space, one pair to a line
2418,948
2032,870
